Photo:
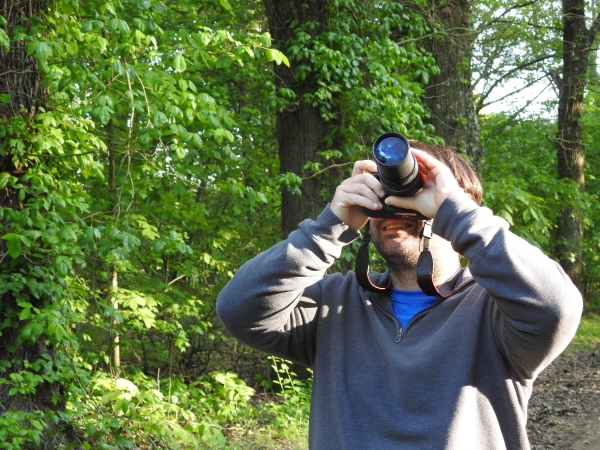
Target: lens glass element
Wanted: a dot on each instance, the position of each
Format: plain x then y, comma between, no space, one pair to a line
390,151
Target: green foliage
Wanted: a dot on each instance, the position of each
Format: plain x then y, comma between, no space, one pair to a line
14,436
138,171
152,173
125,413
520,185
588,333
592,207
290,417
213,411
517,45
519,177
365,73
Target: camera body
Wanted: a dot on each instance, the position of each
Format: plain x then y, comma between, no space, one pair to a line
398,173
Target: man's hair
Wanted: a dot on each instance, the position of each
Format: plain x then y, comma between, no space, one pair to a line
459,166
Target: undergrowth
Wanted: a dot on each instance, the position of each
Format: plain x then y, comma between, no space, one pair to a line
588,333
216,411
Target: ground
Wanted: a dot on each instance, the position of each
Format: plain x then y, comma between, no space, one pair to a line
564,411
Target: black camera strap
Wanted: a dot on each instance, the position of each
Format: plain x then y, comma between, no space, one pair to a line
361,268
424,264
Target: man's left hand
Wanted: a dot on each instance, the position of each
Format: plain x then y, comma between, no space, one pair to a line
438,183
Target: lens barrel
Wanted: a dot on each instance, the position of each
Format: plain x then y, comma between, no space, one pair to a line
397,167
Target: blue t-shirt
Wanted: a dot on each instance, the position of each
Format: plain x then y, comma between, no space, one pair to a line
408,303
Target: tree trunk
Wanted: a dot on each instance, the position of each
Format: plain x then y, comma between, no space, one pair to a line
577,40
301,130
114,275
449,95
21,80
19,76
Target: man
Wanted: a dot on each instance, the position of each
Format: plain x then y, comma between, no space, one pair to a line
396,370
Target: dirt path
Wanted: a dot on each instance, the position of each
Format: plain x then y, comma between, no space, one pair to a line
564,412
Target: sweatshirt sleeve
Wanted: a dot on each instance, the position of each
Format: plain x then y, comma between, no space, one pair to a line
272,302
536,308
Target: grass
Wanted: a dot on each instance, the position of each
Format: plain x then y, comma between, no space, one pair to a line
588,333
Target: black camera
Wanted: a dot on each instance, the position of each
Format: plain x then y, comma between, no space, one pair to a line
398,173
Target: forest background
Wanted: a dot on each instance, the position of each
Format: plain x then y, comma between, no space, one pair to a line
148,148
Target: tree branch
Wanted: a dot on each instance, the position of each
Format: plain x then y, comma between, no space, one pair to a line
480,105
516,69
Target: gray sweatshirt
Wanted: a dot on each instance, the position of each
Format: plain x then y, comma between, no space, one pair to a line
460,374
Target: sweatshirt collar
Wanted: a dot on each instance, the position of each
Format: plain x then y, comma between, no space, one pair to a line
457,282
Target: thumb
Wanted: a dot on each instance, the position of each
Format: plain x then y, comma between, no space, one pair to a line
422,203
401,202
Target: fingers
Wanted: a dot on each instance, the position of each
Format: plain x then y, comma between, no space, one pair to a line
401,202
421,202
363,166
361,190
425,159
438,183
429,166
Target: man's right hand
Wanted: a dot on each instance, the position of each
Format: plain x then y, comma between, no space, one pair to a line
360,190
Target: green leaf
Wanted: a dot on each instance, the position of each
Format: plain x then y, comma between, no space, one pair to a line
14,247
160,119
4,179
25,314
37,424
40,49
103,113
110,8
180,152
197,140
25,240
275,55
117,67
110,396
225,4
4,40
32,47
47,119
63,266
179,63
145,138
124,27
130,241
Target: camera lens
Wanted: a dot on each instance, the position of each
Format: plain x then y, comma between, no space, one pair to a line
390,151
397,167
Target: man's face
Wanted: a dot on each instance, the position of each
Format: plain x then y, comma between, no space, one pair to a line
397,240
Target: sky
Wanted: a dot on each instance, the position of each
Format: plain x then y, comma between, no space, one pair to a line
532,99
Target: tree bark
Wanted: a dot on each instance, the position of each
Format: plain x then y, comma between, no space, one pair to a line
114,274
577,42
449,95
301,130
20,78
